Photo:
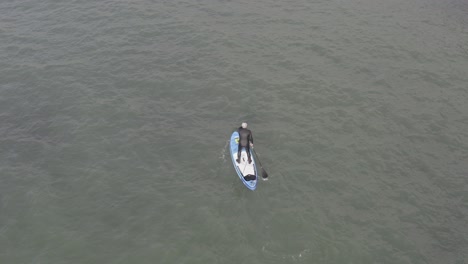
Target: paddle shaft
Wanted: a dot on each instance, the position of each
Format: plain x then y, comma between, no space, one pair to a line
264,174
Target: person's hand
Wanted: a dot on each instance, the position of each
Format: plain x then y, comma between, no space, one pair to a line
251,145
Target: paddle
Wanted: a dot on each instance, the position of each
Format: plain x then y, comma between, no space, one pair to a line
264,173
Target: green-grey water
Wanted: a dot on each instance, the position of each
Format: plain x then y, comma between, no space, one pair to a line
115,118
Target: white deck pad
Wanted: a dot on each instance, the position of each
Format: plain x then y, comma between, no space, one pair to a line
244,166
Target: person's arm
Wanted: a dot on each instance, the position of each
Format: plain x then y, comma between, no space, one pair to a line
251,139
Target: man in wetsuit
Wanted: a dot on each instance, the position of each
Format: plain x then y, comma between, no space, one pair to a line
245,141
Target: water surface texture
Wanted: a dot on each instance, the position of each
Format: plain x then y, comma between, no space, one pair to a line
115,118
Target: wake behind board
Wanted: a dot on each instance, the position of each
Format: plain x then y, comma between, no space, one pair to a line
246,172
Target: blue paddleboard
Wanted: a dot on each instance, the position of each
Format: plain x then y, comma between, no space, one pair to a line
243,168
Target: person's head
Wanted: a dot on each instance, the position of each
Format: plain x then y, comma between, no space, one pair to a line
244,125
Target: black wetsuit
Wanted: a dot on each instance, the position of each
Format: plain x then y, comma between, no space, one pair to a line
245,138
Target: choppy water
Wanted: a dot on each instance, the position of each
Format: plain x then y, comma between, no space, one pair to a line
115,116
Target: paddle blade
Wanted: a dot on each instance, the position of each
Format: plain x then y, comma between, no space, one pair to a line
264,174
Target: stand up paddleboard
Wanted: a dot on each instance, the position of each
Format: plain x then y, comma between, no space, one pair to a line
246,172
